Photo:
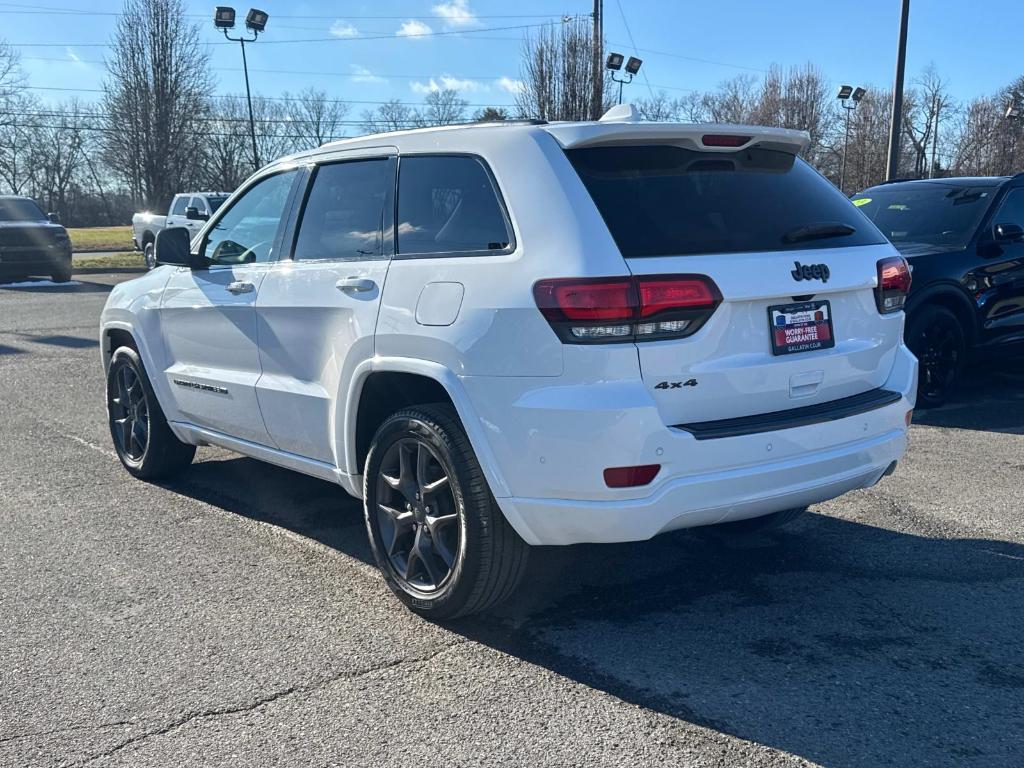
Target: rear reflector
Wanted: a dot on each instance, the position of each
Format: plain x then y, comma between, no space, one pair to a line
623,309
893,284
723,140
630,477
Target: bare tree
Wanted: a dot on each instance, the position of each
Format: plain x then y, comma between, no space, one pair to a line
18,129
390,116
155,98
443,107
926,104
315,119
557,73
11,75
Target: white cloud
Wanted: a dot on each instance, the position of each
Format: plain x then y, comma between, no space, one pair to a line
363,75
75,58
510,85
413,28
447,83
342,28
455,13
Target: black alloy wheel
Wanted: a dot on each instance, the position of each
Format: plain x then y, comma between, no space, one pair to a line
129,414
439,538
417,515
937,340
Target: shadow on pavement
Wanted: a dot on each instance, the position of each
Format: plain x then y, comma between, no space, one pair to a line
989,397
31,285
60,340
842,643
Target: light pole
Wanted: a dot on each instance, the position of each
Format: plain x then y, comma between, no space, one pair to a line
614,64
849,97
255,22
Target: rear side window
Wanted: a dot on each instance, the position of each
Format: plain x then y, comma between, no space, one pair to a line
662,200
344,214
448,204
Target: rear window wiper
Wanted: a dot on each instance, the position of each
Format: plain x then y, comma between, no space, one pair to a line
821,231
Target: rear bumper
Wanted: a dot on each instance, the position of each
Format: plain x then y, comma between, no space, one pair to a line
687,502
558,445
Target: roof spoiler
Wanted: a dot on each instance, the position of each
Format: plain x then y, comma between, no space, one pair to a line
703,137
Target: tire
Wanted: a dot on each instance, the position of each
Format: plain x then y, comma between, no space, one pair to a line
62,272
442,544
936,337
753,525
149,253
144,442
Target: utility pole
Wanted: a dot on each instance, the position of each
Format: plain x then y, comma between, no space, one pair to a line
598,66
892,165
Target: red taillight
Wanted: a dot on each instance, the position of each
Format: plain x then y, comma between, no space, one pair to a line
614,309
659,295
630,477
723,140
588,299
893,284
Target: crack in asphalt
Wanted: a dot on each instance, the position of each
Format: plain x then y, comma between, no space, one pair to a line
189,717
65,729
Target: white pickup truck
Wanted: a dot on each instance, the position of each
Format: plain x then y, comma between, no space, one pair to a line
188,209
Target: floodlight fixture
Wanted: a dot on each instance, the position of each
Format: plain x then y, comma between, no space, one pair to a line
633,65
224,17
845,91
614,61
256,20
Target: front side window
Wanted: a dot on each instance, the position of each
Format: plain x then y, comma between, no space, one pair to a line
448,204
932,214
180,204
1012,209
666,200
344,214
245,234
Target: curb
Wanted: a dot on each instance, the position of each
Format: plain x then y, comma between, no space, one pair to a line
107,270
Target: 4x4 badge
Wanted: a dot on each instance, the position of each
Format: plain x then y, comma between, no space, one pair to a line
810,272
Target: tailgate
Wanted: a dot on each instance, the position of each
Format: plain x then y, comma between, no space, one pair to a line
731,368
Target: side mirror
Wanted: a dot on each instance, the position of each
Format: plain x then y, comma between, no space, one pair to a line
1008,233
172,247
54,217
192,213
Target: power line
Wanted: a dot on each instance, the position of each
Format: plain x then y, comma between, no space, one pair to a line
330,39
24,8
267,98
694,58
632,43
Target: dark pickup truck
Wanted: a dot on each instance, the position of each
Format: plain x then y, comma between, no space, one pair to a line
964,239
31,243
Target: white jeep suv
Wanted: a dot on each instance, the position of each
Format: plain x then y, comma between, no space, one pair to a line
515,334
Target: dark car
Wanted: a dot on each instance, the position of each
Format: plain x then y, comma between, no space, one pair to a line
964,239
30,243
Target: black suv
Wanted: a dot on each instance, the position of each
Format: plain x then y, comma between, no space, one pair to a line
32,243
964,239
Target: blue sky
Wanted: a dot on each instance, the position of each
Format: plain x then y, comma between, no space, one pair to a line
685,44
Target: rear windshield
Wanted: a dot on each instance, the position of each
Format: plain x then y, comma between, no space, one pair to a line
661,200
215,203
20,210
932,214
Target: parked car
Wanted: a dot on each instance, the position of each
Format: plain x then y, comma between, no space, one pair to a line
188,209
964,239
31,242
516,334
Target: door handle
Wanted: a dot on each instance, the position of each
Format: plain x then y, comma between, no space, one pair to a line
241,287
355,284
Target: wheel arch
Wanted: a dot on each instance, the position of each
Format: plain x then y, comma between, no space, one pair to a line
953,298
382,386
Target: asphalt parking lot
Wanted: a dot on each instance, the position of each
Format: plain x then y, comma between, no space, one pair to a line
232,617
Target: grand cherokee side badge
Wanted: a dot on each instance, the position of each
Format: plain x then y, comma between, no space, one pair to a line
810,272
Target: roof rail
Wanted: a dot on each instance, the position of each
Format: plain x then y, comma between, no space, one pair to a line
895,181
515,121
